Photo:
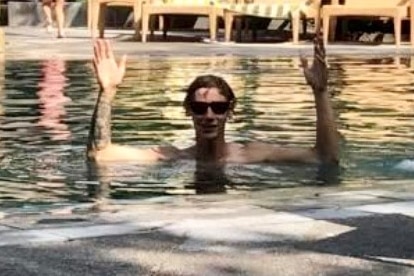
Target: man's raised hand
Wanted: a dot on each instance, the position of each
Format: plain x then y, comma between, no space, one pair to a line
316,75
108,71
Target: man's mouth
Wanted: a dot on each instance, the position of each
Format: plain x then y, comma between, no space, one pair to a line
209,127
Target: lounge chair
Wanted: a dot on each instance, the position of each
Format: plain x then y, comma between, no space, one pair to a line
412,22
295,10
180,7
396,9
97,10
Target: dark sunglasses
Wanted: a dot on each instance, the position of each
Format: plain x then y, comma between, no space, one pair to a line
200,108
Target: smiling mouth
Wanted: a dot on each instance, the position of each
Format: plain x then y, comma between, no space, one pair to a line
209,127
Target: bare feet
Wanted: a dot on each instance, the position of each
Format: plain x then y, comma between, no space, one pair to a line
49,27
61,34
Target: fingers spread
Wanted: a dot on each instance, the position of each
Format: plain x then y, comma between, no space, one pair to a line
122,62
100,49
97,55
319,52
108,50
122,66
95,65
319,47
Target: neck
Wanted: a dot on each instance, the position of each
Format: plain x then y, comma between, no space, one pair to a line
210,150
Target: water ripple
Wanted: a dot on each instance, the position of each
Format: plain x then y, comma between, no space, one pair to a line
46,107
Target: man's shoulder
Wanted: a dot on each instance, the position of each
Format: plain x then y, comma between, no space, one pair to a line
251,146
268,152
172,152
168,151
258,145
249,151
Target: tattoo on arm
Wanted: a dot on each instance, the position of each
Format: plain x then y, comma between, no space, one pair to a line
100,130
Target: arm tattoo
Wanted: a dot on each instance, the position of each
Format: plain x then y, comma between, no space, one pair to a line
100,129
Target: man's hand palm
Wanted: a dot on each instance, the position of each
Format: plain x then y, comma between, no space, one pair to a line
110,74
316,75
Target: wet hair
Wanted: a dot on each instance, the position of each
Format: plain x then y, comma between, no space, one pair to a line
209,81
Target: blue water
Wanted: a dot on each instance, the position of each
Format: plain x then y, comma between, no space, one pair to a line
46,108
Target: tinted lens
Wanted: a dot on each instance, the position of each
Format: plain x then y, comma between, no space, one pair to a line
220,107
199,108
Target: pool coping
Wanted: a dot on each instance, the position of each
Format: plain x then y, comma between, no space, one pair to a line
119,217
33,43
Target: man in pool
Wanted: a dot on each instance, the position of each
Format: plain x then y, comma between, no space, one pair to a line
210,102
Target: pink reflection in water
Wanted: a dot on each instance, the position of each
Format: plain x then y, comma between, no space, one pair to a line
52,99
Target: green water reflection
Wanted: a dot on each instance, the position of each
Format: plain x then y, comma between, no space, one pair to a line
46,107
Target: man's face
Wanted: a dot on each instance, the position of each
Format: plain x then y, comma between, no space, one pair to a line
209,110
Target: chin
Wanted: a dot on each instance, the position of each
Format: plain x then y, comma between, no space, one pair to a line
209,136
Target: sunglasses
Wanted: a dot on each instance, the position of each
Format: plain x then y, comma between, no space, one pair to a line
200,108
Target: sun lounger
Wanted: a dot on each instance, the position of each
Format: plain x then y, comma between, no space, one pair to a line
207,8
412,22
295,10
396,9
97,9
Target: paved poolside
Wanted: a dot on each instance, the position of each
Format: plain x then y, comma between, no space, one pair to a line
301,231
35,43
367,232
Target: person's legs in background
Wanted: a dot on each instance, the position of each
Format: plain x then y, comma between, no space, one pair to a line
56,8
60,17
47,10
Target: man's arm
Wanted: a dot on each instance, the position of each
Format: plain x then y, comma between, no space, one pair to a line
100,129
109,75
99,148
327,138
326,149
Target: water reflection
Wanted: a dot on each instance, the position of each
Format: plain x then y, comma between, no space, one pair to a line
2,97
2,89
328,175
52,99
46,107
206,178
100,190
210,178
109,180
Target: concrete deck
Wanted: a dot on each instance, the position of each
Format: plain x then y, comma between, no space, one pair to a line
300,231
36,43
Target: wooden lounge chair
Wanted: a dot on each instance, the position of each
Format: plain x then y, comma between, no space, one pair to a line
97,10
295,10
180,7
412,22
396,9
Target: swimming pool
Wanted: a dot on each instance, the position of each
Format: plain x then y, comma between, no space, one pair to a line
46,108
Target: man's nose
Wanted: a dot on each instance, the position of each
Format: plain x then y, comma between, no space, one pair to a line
210,113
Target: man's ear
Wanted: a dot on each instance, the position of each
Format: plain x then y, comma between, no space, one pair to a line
231,109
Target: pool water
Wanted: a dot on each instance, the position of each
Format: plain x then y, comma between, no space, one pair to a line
46,108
